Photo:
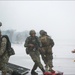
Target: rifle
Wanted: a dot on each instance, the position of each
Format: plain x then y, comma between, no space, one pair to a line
33,41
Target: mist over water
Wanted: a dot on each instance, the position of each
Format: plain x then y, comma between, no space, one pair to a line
55,17
63,58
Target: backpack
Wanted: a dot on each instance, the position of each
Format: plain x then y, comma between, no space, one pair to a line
44,40
9,49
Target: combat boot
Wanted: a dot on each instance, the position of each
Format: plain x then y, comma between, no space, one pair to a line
46,68
51,70
33,73
4,73
43,70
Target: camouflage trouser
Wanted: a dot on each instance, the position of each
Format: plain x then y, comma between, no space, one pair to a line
3,62
47,60
3,65
47,56
36,58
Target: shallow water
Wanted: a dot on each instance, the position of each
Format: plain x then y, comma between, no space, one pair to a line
63,58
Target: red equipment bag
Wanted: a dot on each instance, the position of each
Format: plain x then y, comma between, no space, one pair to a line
53,73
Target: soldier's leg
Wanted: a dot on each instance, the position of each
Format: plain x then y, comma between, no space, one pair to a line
33,69
46,66
44,58
9,70
35,66
51,66
50,62
35,57
50,58
3,69
38,62
4,72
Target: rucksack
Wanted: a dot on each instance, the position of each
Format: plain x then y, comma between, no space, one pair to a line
9,49
44,40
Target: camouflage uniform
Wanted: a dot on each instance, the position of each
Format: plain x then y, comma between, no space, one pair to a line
3,56
46,51
34,51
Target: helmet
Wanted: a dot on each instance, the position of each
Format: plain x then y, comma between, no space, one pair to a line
0,24
42,32
32,32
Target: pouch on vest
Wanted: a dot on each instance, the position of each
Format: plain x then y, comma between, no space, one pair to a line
11,51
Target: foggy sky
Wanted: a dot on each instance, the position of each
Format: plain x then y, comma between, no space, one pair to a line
56,17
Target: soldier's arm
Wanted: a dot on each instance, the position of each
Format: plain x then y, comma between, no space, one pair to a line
3,46
51,41
26,43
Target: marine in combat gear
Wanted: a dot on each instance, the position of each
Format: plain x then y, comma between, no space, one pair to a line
4,55
32,45
46,50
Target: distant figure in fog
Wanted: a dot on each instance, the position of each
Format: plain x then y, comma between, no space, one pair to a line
73,51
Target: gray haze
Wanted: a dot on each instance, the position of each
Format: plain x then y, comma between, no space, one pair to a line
56,17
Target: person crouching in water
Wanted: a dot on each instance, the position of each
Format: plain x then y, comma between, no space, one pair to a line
46,50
